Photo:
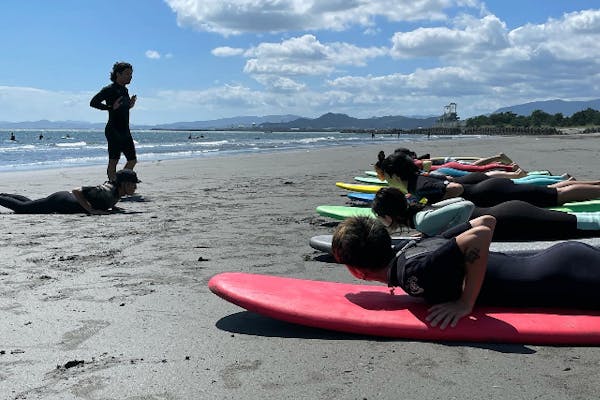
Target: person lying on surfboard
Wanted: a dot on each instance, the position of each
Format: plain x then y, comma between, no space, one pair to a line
515,219
456,270
84,200
518,175
498,158
484,191
500,162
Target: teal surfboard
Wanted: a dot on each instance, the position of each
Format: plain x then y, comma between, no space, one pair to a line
370,180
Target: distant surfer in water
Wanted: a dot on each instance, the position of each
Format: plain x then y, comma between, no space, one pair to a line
455,270
12,136
95,200
115,99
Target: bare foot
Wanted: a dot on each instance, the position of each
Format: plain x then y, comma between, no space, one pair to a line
505,159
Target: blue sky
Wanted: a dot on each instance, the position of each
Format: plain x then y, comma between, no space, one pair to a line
207,59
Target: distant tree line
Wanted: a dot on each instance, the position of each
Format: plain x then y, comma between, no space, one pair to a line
537,119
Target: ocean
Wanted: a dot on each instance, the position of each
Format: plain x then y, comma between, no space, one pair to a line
75,148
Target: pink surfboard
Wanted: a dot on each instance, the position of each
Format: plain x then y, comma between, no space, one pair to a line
372,310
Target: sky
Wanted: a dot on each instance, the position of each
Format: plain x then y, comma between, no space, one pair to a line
197,60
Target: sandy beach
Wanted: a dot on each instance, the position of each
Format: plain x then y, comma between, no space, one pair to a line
117,306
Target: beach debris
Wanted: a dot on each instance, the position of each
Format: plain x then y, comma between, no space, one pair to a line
72,363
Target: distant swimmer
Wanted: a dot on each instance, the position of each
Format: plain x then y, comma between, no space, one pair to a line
41,136
95,200
115,99
12,136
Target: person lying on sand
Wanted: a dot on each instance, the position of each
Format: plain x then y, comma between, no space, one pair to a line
95,200
454,271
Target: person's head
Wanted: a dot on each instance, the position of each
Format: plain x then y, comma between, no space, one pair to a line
364,245
121,73
408,152
391,208
126,181
397,164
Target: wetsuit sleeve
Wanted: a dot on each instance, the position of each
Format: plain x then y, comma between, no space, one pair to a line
439,219
457,230
97,100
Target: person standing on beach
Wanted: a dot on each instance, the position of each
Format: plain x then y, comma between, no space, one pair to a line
115,99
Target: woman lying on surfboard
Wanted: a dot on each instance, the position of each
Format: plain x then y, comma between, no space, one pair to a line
86,200
515,219
518,175
456,270
484,191
500,162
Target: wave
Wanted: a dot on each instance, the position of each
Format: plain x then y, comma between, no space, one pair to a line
74,144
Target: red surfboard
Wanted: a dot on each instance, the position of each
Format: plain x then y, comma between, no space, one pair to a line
372,310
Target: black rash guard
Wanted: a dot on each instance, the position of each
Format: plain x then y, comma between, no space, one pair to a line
118,120
564,275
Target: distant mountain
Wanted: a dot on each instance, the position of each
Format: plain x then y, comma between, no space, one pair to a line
228,123
343,121
567,108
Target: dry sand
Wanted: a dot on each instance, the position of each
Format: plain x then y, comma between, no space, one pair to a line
127,293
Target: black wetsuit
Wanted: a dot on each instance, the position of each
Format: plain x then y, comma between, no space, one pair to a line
519,220
101,197
565,275
483,190
117,130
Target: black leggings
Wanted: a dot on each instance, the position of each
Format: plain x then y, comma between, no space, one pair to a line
566,274
486,191
59,203
519,220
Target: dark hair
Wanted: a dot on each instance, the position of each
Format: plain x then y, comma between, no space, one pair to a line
126,175
392,202
408,152
398,164
119,67
363,243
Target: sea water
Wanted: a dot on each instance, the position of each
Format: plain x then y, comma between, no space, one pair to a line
73,148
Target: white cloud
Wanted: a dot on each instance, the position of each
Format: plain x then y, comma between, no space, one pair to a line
305,55
152,54
485,35
226,51
229,17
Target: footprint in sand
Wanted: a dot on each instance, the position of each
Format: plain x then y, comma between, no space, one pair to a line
72,339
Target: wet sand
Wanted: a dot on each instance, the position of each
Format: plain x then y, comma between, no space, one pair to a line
127,293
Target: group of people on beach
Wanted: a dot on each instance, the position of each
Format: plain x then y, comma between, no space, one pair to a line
467,206
450,264
100,199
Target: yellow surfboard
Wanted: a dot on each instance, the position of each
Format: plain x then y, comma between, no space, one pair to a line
359,188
